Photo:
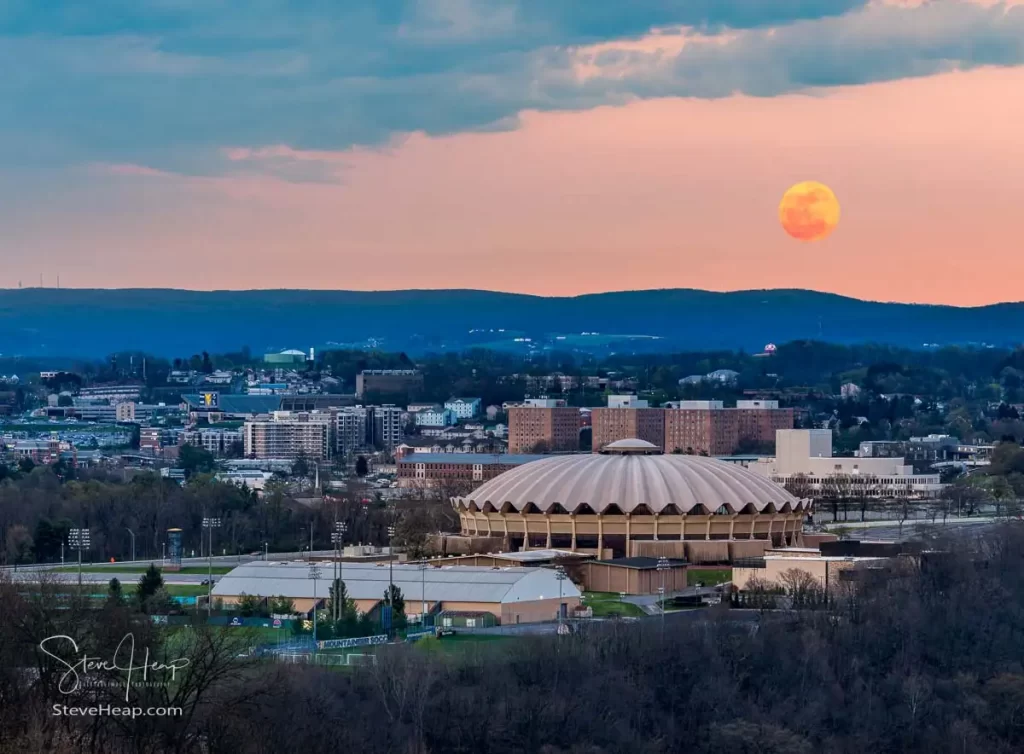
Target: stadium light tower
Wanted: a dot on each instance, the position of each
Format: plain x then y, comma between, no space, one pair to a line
338,538
210,524
314,573
80,540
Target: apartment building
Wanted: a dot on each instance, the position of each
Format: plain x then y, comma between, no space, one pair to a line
627,417
215,440
435,416
543,420
388,427
289,435
352,430
709,428
464,408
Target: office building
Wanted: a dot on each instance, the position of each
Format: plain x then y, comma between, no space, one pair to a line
803,457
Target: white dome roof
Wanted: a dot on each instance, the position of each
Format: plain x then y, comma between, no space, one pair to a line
631,444
629,481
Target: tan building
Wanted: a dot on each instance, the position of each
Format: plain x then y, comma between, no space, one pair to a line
827,563
545,421
512,595
125,411
636,575
629,493
289,435
613,424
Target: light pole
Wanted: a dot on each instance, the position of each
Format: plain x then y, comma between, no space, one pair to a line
338,537
210,524
80,540
423,594
314,573
133,542
266,551
561,576
663,565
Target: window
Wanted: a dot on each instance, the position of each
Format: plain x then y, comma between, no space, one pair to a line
470,622
446,622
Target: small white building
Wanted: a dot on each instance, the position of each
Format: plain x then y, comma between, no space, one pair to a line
626,401
464,408
437,416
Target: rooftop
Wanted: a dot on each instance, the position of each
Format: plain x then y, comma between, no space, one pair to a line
484,459
368,581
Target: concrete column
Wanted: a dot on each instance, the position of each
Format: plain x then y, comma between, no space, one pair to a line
507,541
707,529
547,521
771,524
656,517
572,520
629,542
526,531
600,534
732,526
682,526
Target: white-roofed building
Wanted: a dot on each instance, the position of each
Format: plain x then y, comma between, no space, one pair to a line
512,595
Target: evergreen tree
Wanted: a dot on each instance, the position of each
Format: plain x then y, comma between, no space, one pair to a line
394,599
149,584
114,591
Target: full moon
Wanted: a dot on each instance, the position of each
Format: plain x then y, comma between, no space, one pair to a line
809,211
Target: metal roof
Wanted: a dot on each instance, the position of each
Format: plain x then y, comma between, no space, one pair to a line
368,581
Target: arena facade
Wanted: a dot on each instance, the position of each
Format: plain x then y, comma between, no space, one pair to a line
606,503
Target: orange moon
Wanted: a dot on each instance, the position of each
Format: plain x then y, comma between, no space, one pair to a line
809,211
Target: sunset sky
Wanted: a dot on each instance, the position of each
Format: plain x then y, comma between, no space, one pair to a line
543,146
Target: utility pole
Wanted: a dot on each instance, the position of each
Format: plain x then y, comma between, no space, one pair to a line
133,543
210,524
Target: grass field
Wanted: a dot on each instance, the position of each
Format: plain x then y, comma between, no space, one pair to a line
608,605
460,643
708,576
115,568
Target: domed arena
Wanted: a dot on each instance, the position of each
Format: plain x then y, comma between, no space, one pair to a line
629,493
